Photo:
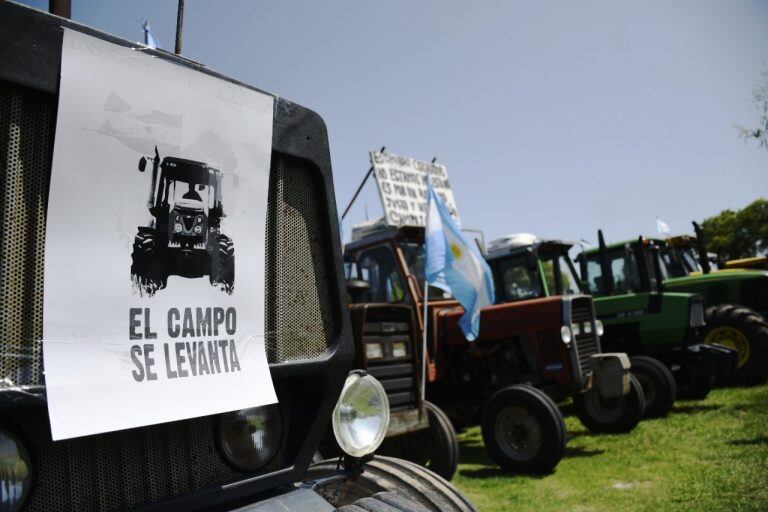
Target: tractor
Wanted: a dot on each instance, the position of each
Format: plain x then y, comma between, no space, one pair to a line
645,319
522,351
736,302
183,237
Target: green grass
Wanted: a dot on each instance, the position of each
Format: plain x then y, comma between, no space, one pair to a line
706,455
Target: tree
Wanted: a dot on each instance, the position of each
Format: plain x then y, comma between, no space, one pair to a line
760,97
738,234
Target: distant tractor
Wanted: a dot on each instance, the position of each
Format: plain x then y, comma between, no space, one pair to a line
736,302
184,235
499,379
646,318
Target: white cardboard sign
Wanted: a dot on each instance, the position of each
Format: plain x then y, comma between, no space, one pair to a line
154,279
403,189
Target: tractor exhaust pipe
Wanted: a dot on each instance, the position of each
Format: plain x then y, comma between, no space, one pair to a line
605,267
703,260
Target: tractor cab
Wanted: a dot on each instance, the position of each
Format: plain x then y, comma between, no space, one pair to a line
526,267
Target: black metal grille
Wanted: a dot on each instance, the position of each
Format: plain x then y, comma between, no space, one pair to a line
26,136
121,470
586,341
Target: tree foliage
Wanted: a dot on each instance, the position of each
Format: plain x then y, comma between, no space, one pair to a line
738,234
760,97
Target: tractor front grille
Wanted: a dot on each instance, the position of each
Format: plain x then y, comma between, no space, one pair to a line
27,121
396,374
299,319
586,342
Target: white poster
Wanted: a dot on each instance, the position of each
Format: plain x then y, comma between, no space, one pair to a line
403,188
154,258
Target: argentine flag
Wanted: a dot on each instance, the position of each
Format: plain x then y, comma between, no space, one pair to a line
149,39
662,227
455,265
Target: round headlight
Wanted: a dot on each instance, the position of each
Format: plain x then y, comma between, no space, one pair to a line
15,473
249,438
599,329
177,228
198,229
361,417
565,334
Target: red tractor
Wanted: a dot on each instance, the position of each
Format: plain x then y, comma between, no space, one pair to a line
527,352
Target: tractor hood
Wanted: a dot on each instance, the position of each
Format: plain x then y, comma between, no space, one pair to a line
502,321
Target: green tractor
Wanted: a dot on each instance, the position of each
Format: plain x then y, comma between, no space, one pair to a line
659,330
736,302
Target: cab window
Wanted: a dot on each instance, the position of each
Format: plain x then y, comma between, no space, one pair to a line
377,268
518,281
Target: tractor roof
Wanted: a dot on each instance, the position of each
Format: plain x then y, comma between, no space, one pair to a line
188,171
375,232
519,242
620,245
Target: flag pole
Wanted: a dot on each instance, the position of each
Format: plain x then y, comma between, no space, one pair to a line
424,344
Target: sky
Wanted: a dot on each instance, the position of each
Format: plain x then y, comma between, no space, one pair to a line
552,117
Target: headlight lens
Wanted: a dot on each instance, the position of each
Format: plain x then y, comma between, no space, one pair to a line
249,438
399,349
565,334
198,229
587,327
599,327
177,228
374,351
575,329
15,473
361,417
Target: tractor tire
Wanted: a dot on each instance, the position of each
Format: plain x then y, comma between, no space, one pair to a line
690,387
408,482
658,385
747,332
613,415
223,265
436,448
523,430
148,272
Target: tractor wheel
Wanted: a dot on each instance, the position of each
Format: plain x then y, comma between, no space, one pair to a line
658,384
401,484
147,270
436,448
613,415
690,387
747,332
523,430
223,265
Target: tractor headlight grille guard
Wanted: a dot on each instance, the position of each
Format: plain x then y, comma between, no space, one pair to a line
696,314
585,338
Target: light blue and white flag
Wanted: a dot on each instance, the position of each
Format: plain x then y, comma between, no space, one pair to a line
456,265
149,39
662,227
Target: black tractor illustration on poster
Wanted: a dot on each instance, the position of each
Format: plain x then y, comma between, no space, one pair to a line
183,237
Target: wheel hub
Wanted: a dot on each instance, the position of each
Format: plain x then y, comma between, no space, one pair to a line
518,433
730,337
